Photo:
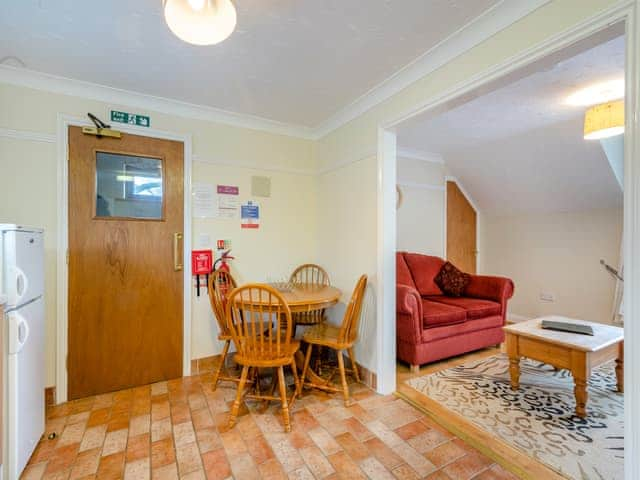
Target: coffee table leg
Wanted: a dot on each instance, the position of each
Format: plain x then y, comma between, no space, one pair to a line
514,360
620,367
580,371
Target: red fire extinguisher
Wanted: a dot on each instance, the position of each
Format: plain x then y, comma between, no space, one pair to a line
221,263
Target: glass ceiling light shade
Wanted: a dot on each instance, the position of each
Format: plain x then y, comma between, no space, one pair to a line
200,22
606,120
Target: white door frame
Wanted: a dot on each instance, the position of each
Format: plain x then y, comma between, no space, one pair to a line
627,11
64,122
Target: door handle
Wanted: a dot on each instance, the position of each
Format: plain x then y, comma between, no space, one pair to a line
177,252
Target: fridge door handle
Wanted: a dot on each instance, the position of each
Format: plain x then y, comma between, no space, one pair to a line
21,286
18,332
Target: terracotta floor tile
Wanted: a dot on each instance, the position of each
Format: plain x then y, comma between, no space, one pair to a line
445,454
168,472
139,425
196,475
428,440
288,456
405,472
188,457
160,410
111,466
324,441
60,475
356,450
183,433
415,460
317,462
260,450
304,420
118,421
138,447
85,464
383,453
216,464
43,451
244,467
374,469
208,439
180,413
301,473
467,467
202,418
137,470
162,453
93,437
62,458
34,471
439,475
411,429
161,429
384,433
233,443
272,470
99,417
78,418
115,442
72,434
345,467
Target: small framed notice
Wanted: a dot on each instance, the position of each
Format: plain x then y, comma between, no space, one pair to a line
250,215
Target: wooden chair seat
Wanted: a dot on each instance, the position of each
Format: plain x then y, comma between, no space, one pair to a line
339,339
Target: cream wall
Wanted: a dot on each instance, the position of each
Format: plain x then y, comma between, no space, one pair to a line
28,192
420,217
559,254
358,138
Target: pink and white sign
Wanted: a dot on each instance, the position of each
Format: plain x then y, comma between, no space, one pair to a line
228,190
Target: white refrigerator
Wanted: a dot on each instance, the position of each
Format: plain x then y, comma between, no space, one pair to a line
22,284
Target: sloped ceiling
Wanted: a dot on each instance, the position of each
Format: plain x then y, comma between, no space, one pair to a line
520,148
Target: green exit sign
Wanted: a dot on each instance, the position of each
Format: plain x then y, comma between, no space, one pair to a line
130,118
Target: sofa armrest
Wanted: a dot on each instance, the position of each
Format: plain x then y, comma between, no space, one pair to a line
408,314
498,289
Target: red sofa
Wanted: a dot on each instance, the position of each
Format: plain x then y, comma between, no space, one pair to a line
432,326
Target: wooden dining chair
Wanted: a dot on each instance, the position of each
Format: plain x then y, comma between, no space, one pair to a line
339,339
221,283
309,274
260,325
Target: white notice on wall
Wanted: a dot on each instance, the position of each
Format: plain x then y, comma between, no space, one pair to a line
228,206
204,200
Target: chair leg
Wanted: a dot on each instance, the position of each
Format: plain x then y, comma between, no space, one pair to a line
296,380
236,405
283,399
354,366
223,359
307,358
343,377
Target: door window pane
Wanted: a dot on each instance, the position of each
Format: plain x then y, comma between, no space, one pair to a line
128,186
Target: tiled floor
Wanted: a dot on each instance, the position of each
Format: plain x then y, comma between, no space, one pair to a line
177,429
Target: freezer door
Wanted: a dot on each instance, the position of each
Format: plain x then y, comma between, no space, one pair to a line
25,384
22,266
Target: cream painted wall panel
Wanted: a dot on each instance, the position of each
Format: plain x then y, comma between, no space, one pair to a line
28,196
558,254
287,237
26,164
347,243
420,218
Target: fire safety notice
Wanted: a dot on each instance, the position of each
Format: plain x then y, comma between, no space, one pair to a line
250,215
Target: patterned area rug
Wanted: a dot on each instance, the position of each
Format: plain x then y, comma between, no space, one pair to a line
538,419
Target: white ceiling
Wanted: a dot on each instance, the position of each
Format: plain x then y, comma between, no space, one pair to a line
520,147
293,61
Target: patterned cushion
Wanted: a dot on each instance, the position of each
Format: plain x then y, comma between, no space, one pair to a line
451,280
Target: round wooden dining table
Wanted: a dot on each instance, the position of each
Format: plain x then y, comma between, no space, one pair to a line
301,297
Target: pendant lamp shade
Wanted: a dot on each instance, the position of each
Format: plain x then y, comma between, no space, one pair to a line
605,120
200,22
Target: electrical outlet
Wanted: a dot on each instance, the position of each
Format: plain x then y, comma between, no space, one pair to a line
547,297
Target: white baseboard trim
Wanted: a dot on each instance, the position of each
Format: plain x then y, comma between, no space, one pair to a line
516,318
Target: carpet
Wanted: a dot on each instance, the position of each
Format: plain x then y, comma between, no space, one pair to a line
538,419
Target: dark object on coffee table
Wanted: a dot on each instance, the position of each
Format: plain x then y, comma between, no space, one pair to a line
567,327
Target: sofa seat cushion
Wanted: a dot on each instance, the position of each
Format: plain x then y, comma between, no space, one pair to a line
470,326
436,314
475,307
424,269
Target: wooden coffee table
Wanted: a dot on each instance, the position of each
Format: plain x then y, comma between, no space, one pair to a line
575,352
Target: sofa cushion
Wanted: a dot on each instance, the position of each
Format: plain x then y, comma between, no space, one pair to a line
451,280
435,314
403,275
469,327
423,269
475,307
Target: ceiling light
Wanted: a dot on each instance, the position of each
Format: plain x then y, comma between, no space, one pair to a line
200,22
606,120
599,93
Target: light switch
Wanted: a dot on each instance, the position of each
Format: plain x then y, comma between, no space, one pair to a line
547,297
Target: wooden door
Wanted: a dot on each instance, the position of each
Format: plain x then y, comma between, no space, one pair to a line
461,230
126,203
